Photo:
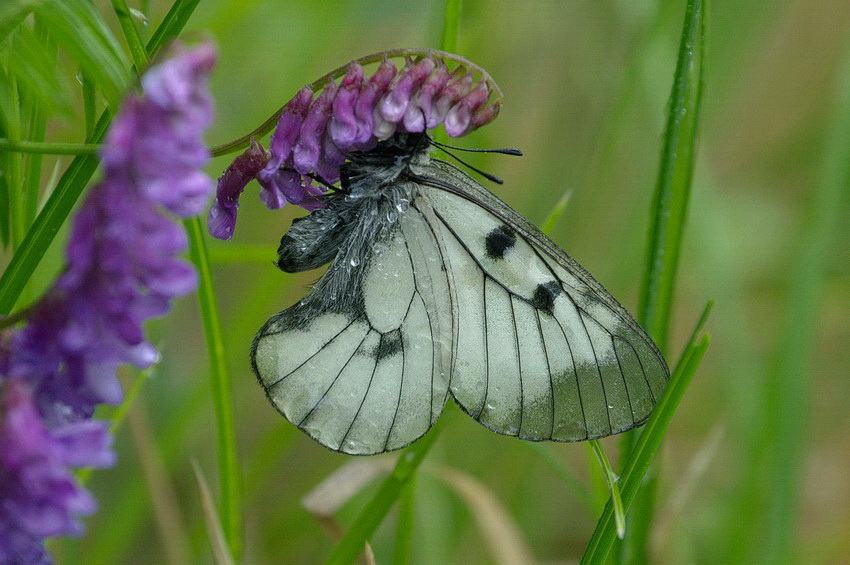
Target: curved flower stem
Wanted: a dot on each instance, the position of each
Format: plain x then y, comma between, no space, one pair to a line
270,123
228,463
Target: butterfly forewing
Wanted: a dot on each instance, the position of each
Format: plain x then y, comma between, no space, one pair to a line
543,351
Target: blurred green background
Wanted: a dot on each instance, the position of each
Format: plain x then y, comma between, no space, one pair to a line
586,86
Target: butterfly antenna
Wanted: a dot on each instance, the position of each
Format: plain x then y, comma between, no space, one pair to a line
501,150
488,176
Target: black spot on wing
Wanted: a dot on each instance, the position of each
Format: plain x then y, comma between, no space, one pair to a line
499,241
545,295
390,344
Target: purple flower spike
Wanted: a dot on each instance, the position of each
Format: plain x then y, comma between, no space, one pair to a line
122,269
315,135
369,96
287,131
395,102
459,117
343,124
221,220
40,496
307,149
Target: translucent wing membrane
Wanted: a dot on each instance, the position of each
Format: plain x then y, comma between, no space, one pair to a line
365,383
543,351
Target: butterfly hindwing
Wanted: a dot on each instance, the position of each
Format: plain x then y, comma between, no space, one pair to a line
543,351
371,377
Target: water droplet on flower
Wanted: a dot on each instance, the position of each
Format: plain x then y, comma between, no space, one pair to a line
355,261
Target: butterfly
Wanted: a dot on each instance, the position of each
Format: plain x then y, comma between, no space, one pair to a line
436,288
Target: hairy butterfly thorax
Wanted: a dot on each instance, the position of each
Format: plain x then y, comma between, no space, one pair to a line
355,225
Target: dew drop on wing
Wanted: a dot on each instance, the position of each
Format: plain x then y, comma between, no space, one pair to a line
355,261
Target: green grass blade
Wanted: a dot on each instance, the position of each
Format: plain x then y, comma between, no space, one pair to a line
376,509
174,21
673,187
613,488
228,461
49,148
79,29
31,60
648,443
71,185
403,547
13,167
47,224
667,223
781,467
12,13
560,206
451,26
131,35
89,103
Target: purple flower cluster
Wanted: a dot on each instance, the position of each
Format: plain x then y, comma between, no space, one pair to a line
314,133
122,269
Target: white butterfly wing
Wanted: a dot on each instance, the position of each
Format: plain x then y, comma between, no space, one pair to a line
464,296
542,350
377,381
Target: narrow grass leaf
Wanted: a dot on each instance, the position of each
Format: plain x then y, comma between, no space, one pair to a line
787,400
173,22
167,512
71,184
405,524
648,442
79,30
131,35
611,480
546,453
502,534
89,103
47,224
12,13
667,225
451,26
672,192
228,458
31,61
221,555
376,509
557,211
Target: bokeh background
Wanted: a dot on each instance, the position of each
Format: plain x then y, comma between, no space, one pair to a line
586,86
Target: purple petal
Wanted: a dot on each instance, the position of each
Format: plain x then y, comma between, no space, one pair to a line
343,124
459,117
455,90
307,149
395,102
286,133
424,100
372,91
